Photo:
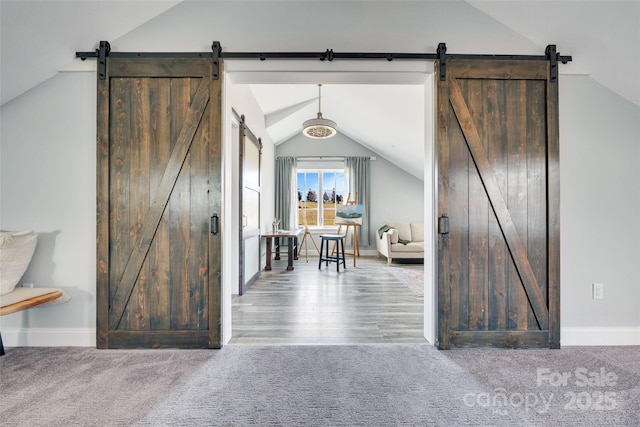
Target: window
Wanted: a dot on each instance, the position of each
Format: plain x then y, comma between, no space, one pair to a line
319,192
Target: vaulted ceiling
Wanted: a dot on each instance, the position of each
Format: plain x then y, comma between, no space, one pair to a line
379,105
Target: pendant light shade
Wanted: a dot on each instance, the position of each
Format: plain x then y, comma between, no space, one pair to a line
319,128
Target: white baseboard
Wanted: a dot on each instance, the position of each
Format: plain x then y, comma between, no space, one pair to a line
600,336
367,252
86,337
49,337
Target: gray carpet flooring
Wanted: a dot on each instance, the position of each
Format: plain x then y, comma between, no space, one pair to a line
350,385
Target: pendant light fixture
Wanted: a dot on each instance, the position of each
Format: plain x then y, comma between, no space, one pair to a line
319,128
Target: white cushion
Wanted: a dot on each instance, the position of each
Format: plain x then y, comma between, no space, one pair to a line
16,250
404,231
417,232
408,248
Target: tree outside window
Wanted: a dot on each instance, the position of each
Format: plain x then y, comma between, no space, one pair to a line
319,192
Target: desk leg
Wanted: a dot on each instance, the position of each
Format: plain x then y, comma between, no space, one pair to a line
356,248
277,243
290,255
268,266
295,248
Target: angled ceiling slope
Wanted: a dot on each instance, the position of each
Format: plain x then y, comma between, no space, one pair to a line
602,36
38,38
385,118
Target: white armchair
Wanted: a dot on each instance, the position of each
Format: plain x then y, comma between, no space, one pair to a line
402,240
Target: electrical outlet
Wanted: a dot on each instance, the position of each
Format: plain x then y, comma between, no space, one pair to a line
598,291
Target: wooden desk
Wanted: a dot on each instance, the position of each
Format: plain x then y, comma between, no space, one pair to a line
274,240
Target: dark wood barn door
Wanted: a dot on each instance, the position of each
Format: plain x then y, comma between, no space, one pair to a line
498,205
159,194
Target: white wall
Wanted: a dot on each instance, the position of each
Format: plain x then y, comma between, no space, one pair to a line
599,211
240,98
395,194
430,214
48,161
48,184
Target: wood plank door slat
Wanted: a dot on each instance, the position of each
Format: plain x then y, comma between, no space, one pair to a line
553,214
159,265
444,241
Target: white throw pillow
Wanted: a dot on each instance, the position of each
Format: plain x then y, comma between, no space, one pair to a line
417,232
404,231
16,250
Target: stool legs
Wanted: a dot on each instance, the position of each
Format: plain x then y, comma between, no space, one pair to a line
338,258
326,258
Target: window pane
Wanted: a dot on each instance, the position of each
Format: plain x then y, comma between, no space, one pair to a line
329,216
333,188
339,187
318,193
308,188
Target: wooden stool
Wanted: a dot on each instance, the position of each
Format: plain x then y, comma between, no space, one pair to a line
339,256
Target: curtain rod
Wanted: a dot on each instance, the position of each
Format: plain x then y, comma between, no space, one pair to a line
324,158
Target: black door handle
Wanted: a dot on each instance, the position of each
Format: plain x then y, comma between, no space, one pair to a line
214,224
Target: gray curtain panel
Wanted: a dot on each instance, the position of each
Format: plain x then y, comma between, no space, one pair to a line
357,169
285,169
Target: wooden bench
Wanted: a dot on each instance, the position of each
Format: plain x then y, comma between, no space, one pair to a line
23,298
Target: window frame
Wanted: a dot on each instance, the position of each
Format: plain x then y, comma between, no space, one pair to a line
320,194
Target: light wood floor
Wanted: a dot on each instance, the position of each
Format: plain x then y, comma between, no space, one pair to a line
359,305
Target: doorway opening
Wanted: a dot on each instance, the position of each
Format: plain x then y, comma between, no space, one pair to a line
241,76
